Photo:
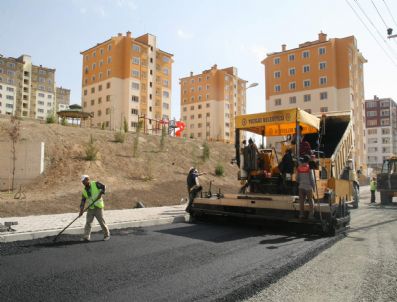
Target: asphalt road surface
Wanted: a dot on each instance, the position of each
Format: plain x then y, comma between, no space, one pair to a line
180,262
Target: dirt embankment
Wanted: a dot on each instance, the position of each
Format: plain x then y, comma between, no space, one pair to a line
156,177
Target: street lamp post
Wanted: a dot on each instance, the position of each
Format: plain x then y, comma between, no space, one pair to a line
245,96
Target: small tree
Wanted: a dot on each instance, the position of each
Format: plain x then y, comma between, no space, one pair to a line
219,170
119,136
125,125
163,137
64,121
14,134
206,151
50,119
136,140
91,151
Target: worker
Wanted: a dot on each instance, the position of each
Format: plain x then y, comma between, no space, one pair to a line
193,186
304,146
250,161
372,187
92,194
306,186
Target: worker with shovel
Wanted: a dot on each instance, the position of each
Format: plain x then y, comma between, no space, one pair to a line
92,193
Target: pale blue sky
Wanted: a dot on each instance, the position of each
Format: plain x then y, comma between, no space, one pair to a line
199,34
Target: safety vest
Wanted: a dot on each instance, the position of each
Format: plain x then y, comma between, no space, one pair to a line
372,185
94,194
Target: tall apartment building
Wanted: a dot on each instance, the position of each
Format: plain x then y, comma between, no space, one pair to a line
125,78
63,98
26,90
381,130
320,76
210,101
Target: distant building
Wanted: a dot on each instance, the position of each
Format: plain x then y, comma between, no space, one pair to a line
320,76
210,101
381,130
26,90
127,79
63,98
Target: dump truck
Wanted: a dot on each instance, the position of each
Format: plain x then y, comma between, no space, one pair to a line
387,180
268,194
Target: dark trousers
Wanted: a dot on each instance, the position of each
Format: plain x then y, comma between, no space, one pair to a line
192,195
372,196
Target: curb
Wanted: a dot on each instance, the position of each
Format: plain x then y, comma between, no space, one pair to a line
80,230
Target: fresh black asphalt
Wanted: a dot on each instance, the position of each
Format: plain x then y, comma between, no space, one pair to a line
179,262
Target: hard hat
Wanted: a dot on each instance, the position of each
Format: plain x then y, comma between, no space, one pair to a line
83,177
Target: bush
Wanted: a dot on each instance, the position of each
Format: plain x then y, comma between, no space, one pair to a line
50,119
125,125
64,121
119,137
206,151
219,170
91,151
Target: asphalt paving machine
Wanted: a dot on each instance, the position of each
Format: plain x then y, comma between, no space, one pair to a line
268,194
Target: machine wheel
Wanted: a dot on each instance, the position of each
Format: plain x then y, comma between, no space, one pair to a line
356,197
385,197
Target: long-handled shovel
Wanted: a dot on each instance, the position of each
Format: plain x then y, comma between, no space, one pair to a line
91,204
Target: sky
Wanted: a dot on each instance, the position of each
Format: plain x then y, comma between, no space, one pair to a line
200,34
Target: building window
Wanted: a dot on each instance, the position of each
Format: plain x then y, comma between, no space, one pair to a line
323,109
373,131
372,113
385,112
135,60
108,98
166,59
107,85
292,99
307,98
385,122
136,48
135,73
371,104
323,95
384,131
277,102
99,100
92,89
321,51
191,107
109,59
134,111
277,88
92,102
276,61
323,65
166,94
306,83
135,86
291,57
323,80
277,74
306,54
306,68
100,88
291,71
372,123
135,98
165,71
292,86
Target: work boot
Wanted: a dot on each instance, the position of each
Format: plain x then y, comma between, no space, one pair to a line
106,238
85,239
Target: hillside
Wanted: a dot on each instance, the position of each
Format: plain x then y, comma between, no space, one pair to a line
154,177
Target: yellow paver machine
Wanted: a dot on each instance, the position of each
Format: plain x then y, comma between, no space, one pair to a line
267,193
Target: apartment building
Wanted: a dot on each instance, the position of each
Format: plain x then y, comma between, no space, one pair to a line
210,101
381,130
325,75
26,90
127,79
63,98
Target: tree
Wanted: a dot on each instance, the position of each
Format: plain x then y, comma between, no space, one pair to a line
136,140
91,150
206,151
125,125
163,137
14,134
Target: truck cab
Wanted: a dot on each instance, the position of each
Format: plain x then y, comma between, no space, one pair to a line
387,180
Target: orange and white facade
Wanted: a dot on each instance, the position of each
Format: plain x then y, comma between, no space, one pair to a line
320,76
127,79
209,103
